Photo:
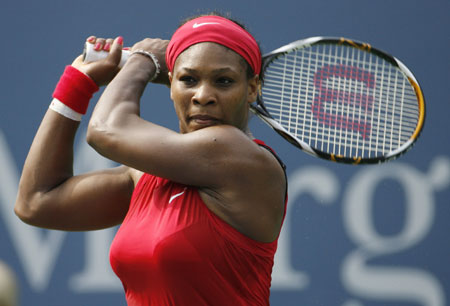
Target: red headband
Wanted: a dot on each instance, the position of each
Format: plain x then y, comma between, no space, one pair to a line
215,29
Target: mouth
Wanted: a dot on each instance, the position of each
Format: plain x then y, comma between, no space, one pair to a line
204,120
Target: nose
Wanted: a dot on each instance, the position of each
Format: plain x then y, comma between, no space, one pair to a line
204,95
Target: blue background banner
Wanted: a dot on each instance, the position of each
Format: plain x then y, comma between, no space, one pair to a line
353,236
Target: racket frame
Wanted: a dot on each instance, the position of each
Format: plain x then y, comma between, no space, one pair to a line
261,111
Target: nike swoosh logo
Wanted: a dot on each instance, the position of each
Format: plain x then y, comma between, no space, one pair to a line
196,25
177,195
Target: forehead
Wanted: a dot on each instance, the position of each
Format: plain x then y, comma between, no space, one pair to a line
209,54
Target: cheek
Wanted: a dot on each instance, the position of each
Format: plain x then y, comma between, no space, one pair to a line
174,96
178,96
174,92
238,110
180,110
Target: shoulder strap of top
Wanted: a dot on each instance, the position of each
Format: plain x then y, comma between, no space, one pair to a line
262,144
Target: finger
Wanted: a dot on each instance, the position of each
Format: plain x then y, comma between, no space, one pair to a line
99,43
108,44
91,39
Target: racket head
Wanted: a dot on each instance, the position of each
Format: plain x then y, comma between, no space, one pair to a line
341,100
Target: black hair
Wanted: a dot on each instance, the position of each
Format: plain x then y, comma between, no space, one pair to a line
249,69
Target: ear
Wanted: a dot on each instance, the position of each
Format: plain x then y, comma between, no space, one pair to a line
254,85
170,83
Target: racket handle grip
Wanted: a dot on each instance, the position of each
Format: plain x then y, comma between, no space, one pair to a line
90,55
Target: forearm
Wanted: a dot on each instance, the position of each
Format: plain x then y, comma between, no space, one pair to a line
123,94
119,105
50,160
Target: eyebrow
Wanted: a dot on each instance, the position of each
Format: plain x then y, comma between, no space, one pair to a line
215,71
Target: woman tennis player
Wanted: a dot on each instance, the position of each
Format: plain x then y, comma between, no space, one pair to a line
200,209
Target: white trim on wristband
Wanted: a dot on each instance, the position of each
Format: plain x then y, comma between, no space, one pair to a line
64,110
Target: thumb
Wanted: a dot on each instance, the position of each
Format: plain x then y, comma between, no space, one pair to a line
115,53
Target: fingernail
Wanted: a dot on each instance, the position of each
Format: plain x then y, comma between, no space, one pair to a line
107,47
120,40
97,46
91,39
126,48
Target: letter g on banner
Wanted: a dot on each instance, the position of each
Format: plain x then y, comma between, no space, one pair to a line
392,282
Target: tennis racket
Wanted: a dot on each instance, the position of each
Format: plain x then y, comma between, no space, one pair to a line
339,99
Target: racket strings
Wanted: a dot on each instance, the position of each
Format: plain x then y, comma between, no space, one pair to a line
341,100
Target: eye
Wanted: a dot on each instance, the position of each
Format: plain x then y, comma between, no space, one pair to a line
188,80
225,81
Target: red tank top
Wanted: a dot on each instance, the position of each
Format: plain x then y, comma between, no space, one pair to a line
172,250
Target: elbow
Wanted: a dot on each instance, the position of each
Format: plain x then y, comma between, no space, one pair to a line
94,133
101,138
31,201
22,214
26,211
35,210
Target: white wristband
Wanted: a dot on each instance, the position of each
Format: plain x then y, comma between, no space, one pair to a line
64,110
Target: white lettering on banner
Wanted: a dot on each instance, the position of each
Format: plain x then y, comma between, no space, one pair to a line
323,185
97,275
388,282
37,249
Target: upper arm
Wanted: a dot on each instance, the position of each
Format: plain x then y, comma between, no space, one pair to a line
203,158
84,202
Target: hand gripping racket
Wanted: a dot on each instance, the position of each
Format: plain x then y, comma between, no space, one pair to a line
90,55
339,99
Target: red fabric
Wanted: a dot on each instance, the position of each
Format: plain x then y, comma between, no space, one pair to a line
172,250
218,30
75,89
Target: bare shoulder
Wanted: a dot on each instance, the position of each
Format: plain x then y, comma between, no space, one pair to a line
243,160
230,147
251,195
